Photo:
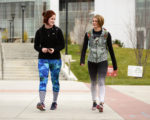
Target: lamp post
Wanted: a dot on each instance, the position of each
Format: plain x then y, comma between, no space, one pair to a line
10,21
66,48
13,16
23,8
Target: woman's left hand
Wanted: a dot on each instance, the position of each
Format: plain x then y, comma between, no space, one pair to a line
51,50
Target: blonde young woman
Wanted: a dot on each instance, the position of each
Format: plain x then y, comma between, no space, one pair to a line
99,42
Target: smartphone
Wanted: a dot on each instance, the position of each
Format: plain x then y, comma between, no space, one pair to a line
50,49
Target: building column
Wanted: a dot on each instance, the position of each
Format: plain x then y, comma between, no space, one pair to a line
54,5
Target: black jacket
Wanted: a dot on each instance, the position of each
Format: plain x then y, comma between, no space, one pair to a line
49,38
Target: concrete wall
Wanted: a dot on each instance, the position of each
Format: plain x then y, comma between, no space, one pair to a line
54,5
119,18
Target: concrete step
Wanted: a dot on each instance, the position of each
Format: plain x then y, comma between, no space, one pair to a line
21,75
24,75
19,65
27,78
20,61
20,78
20,69
19,50
21,72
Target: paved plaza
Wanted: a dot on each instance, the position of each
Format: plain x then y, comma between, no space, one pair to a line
18,101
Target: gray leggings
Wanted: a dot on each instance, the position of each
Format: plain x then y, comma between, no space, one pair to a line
98,72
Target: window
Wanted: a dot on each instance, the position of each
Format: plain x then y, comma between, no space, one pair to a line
140,39
143,21
74,9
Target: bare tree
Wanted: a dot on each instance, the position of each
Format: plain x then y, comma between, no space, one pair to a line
139,36
82,22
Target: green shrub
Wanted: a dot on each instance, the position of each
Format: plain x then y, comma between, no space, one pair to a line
5,35
25,36
118,42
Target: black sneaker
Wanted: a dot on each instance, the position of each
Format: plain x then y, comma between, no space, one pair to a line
94,106
53,106
41,106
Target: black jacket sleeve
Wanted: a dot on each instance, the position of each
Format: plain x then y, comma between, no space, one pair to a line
37,45
60,42
111,51
84,48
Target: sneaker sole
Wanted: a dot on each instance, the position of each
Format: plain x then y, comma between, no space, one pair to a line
100,108
93,108
53,109
40,108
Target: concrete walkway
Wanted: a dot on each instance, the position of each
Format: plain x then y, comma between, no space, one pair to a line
18,101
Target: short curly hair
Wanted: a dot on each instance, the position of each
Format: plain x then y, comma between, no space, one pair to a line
100,20
47,14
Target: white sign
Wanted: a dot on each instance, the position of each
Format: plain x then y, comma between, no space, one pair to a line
135,71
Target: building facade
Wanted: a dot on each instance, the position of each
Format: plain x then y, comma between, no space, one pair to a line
11,18
127,20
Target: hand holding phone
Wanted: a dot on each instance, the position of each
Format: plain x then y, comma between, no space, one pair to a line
50,50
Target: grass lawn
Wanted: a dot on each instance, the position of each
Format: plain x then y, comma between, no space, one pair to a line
124,56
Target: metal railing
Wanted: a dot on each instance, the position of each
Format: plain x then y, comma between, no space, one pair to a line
2,62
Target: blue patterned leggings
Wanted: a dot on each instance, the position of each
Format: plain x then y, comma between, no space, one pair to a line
44,65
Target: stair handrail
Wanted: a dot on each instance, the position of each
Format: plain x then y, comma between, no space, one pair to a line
2,62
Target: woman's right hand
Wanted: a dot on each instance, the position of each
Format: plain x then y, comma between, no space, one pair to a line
44,50
82,64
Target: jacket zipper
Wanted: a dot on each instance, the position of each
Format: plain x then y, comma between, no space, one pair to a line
96,50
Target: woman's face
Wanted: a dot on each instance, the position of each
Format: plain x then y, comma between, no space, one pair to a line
95,23
51,20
